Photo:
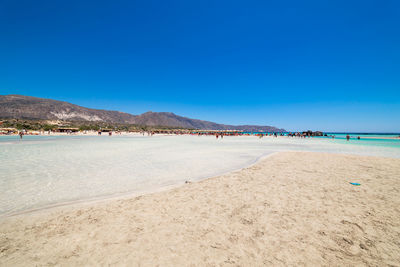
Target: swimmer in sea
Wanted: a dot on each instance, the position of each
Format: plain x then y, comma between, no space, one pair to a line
347,137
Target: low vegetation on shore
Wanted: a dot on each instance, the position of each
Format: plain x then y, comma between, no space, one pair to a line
47,125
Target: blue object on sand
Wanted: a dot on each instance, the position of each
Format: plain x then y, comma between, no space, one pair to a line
355,183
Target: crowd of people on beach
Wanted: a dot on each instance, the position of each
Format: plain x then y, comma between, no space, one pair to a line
217,134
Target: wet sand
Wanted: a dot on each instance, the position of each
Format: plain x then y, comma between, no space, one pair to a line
293,208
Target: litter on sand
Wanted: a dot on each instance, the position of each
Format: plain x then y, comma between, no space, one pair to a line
355,183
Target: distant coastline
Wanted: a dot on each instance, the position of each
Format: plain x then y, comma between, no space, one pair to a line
33,108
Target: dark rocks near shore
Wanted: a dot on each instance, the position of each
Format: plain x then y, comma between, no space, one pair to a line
311,133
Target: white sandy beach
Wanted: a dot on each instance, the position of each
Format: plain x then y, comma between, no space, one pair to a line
293,208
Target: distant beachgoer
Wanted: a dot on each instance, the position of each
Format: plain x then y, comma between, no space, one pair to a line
347,137
21,134
109,133
216,136
358,138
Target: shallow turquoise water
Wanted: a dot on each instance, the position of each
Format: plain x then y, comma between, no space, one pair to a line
377,139
366,141
41,171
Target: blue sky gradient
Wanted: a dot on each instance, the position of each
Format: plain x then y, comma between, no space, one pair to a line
320,65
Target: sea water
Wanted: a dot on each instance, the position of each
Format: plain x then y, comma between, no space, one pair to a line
42,171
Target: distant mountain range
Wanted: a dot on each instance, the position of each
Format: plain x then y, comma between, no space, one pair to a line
28,107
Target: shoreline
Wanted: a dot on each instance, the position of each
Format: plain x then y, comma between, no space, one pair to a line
292,208
76,204
95,133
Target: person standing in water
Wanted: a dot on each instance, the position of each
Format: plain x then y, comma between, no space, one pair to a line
21,134
347,137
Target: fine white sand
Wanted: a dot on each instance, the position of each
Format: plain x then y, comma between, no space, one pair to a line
293,208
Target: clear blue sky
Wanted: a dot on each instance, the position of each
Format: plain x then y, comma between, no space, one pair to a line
321,65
